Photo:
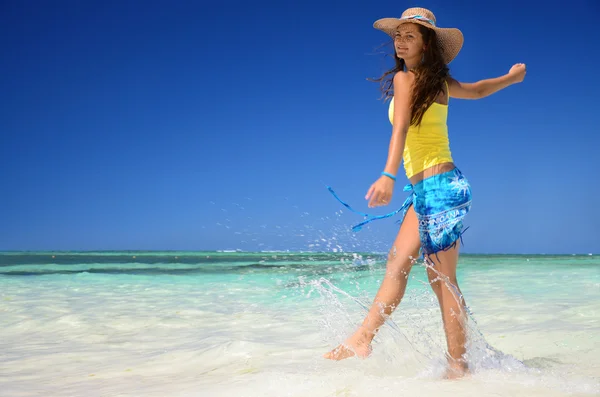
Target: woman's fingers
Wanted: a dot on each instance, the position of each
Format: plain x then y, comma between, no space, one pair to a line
370,192
377,195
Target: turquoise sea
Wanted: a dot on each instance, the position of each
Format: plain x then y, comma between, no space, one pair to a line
257,324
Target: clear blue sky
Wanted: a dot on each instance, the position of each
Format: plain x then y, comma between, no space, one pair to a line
182,125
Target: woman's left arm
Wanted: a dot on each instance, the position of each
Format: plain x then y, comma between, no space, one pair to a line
486,87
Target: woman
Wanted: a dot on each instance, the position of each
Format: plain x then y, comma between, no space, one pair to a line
441,195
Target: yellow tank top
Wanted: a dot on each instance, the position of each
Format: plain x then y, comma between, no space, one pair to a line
426,144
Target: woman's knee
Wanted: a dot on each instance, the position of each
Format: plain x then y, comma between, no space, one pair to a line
399,263
446,282
434,282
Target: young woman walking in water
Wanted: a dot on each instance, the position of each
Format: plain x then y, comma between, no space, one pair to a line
420,87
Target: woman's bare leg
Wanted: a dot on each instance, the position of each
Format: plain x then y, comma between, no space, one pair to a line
399,263
441,270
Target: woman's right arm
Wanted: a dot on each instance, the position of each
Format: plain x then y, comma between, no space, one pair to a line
380,192
403,82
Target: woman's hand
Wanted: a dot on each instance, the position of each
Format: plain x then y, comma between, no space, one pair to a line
380,192
517,72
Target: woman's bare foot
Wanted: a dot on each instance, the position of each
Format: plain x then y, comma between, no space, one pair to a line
456,369
359,344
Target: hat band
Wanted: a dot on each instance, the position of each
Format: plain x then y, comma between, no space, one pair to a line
420,18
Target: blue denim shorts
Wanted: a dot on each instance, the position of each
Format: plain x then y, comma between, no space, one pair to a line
440,203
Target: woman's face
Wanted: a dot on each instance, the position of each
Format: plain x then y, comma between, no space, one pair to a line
408,41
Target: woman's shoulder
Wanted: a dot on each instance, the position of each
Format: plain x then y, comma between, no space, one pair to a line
403,77
450,79
403,82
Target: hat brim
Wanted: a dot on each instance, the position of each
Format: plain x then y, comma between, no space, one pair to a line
450,40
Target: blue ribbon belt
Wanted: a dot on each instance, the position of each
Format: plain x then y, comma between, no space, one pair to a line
370,218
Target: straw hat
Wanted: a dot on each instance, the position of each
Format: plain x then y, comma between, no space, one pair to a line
450,40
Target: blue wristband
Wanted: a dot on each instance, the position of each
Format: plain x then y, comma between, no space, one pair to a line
388,174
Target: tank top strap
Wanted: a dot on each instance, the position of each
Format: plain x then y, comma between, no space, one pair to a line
447,90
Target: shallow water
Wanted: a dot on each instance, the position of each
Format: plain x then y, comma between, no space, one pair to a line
257,324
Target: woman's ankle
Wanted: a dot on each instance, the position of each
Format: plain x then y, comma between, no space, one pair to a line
367,332
458,362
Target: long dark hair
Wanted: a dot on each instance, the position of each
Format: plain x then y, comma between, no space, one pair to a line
429,77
